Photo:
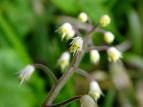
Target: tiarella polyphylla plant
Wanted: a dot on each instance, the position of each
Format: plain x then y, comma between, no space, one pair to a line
78,46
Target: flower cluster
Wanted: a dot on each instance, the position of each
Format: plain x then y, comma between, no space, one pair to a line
78,46
113,53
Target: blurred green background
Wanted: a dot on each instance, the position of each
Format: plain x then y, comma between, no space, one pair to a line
27,35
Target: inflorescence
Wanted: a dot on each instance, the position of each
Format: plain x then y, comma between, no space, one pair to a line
67,32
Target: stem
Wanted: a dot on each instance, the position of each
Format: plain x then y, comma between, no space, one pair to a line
85,74
65,102
65,77
101,30
59,85
99,48
124,46
47,71
77,31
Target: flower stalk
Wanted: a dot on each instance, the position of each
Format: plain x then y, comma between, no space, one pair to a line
65,77
47,71
65,102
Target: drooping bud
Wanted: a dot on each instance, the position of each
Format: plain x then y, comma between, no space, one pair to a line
95,91
76,44
87,101
64,60
105,20
94,56
109,37
26,73
66,31
83,17
114,54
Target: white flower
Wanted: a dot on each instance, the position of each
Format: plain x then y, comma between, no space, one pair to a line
87,101
64,60
67,31
26,73
83,17
76,44
109,37
94,90
114,54
105,20
94,56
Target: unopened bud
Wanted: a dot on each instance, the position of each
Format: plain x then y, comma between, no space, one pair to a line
114,54
108,37
94,56
83,17
105,20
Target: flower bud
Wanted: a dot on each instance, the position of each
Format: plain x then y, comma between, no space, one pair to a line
108,37
26,73
94,56
76,44
87,101
105,20
67,31
114,54
64,60
95,91
83,17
